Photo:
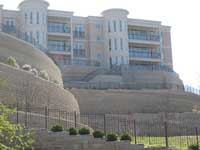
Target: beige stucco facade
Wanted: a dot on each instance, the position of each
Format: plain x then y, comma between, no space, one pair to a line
111,39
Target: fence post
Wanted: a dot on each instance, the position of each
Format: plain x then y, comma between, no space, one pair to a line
75,119
46,122
197,138
104,125
17,113
166,136
59,115
135,133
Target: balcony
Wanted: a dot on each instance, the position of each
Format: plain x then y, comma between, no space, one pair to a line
142,37
55,49
145,56
8,28
59,29
79,34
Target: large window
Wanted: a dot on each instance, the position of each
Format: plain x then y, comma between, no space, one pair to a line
59,46
38,18
120,26
58,27
79,31
110,44
31,18
115,26
79,50
121,44
115,44
109,26
143,35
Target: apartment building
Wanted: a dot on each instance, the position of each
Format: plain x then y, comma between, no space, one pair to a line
111,39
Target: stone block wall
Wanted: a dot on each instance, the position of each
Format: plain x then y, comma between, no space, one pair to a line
62,141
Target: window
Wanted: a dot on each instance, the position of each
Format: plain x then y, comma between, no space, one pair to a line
38,18
109,26
115,26
31,37
37,36
98,39
25,18
122,60
98,26
125,26
120,26
110,44
31,18
115,44
116,60
79,50
121,44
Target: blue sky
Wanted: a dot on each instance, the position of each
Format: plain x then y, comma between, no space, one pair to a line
182,15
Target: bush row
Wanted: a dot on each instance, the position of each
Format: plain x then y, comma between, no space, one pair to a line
96,134
42,74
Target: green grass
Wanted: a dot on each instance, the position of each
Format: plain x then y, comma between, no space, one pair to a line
176,142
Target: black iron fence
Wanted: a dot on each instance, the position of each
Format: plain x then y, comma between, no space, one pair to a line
162,131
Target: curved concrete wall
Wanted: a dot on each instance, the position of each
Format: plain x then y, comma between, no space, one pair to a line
25,53
131,101
39,92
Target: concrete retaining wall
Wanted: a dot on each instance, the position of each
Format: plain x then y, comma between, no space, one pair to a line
24,87
134,101
63,141
25,53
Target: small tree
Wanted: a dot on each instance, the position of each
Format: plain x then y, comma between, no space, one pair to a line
12,137
12,62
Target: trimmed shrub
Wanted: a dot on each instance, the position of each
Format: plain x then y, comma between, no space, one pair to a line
84,131
73,131
98,134
112,137
12,62
57,128
193,147
34,71
26,67
125,137
55,81
43,74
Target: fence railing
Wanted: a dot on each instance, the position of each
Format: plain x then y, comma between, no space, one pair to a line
166,131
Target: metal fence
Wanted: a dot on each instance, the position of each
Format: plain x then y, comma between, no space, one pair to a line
166,132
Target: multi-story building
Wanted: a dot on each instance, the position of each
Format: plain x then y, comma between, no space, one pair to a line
111,39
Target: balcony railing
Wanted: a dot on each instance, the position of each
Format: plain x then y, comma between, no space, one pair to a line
147,68
64,49
144,54
8,28
58,28
79,34
145,36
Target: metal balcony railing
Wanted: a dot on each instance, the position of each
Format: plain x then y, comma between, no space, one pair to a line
146,36
143,54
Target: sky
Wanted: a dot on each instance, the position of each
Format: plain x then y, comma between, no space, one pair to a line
182,15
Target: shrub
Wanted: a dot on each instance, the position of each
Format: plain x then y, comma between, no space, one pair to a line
98,134
26,67
57,128
84,131
193,147
12,62
125,137
112,137
34,71
55,81
73,131
43,74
